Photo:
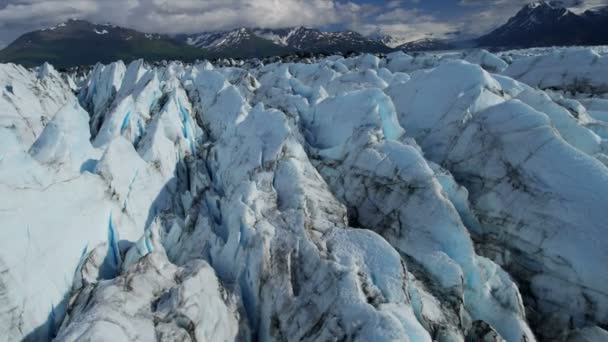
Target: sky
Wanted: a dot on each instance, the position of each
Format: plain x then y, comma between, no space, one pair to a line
413,19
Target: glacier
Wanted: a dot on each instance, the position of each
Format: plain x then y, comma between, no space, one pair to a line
432,197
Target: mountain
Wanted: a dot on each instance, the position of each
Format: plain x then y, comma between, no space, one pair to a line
316,41
597,20
426,44
78,42
237,43
247,42
387,39
549,24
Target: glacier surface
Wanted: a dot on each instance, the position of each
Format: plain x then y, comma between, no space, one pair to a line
429,197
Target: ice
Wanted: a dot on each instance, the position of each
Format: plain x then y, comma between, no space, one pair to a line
439,242
335,119
65,140
505,181
245,162
223,104
464,88
430,197
486,60
136,99
172,133
161,301
400,62
568,124
362,62
590,334
573,69
103,196
21,105
355,80
101,90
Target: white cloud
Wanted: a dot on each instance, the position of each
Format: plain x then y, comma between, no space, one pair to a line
405,18
405,24
26,12
410,32
173,16
486,15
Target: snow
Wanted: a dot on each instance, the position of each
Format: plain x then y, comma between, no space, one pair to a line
512,178
189,294
561,115
41,197
335,119
274,37
486,60
572,69
446,197
61,175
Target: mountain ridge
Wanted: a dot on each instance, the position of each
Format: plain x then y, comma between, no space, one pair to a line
95,43
105,43
538,24
288,40
549,23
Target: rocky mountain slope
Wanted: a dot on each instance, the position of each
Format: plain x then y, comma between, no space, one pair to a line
427,44
548,23
78,42
341,198
248,43
237,43
388,39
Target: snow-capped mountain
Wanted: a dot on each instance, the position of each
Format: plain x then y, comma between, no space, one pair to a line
246,42
451,197
78,42
426,44
237,43
549,23
389,40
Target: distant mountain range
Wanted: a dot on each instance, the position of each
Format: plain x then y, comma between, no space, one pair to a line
538,24
548,24
247,42
78,42
428,44
389,40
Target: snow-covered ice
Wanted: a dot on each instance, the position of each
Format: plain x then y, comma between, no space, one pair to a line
450,197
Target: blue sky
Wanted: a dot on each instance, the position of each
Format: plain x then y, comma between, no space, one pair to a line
409,19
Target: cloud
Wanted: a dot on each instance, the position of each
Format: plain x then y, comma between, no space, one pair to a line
413,19
485,15
403,20
42,13
172,16
194,16
28,12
